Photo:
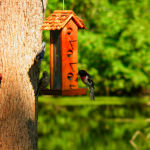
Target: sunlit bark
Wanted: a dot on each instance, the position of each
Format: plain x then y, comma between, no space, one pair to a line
20,40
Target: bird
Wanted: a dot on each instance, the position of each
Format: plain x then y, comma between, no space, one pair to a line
43,82
86,79
40,55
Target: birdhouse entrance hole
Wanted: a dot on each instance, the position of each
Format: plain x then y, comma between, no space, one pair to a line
63,26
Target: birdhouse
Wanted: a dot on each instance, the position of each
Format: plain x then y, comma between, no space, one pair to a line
63,26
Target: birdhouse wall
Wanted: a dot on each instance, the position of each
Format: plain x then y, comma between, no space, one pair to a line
69,56
55,60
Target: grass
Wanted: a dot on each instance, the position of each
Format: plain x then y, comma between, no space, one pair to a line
61,126
100,100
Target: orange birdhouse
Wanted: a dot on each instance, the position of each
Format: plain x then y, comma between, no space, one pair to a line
63,26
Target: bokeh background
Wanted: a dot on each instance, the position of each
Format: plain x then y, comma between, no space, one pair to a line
115,51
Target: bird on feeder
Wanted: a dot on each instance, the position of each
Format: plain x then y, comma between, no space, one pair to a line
43,82
86,79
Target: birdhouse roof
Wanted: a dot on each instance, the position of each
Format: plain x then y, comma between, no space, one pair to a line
59,18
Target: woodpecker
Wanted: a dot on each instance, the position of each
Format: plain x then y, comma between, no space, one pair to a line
43,82
40,55
86,79
0,79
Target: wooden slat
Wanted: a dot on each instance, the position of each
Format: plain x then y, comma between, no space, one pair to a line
51,58
73,92
56,61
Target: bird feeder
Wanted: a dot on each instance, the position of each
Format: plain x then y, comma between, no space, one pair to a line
63,26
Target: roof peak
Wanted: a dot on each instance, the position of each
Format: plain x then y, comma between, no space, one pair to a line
59,18
63,11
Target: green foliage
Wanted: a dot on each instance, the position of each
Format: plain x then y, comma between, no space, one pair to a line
115,47
91,127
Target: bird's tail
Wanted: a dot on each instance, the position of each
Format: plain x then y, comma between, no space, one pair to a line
92,97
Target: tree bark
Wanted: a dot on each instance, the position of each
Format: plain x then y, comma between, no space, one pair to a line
20,41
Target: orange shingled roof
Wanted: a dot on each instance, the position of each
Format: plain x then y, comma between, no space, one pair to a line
59,19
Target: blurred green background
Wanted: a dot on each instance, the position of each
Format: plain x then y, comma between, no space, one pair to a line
109,123
116,42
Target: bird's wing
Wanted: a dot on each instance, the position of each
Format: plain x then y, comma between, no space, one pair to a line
91,82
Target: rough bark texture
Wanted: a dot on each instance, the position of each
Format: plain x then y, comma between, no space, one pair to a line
20,41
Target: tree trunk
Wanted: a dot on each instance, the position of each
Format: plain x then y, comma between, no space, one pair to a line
20,40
